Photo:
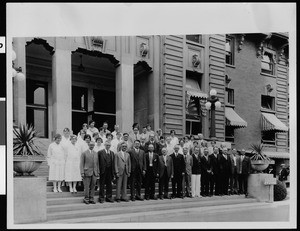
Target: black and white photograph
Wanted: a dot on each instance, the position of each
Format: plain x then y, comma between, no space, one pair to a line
139,115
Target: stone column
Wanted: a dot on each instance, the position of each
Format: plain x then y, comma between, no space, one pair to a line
154,85
19,86
125,96
62,90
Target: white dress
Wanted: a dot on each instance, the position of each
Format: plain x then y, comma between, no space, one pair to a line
72,168
56,162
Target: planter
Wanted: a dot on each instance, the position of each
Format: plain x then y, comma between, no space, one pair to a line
259,165
27,165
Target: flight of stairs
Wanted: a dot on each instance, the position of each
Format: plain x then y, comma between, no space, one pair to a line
68,207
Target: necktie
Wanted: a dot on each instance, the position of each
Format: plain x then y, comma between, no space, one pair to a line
151,159
165,160
185,158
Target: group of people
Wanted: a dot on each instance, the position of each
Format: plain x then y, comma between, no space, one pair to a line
141,159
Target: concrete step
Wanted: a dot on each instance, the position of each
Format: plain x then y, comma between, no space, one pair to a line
162,215
71,211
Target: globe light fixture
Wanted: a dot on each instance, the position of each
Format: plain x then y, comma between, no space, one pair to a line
16,72
211,104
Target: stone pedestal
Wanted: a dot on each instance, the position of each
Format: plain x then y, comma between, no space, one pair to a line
30,200
261,186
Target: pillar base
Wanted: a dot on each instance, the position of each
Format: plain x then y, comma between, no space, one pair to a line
260,186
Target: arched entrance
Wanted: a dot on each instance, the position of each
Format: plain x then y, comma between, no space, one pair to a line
93,89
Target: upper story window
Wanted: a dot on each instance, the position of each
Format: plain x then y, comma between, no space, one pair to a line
79,98
229,49
229,96
267,63
268,102
197,38
37,106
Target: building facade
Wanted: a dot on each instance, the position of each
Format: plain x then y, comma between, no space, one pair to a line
163,81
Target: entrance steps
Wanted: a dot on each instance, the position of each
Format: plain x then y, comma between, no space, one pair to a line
69,208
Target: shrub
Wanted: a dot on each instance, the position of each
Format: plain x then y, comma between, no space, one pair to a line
280,191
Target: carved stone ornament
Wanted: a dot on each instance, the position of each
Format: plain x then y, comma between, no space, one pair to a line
144,49
241,42
261,45
195,60
95,43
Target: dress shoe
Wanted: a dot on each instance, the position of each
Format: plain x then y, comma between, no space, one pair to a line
139,198
147,198
86,202
71,189
132,198
161,197
92,202
55,190
59,190
126,200
118,200
101,201
74,190
109,200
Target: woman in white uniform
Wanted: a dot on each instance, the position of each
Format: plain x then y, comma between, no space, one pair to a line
56,162
72,169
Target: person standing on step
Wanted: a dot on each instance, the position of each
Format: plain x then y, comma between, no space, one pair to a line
205,173
179,170
151,141
214,187
243,169
186,182
106,167
166,171
134,135
196,172
56,162
122,168
151,166
138,167
89,169
72,169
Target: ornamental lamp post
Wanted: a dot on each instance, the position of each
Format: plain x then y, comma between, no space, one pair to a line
211,104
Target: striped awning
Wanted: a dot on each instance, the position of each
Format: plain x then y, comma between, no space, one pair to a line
271,123
233,119
195,93
278,155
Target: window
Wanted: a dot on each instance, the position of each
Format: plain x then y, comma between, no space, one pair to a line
229,134
229,96
193,118
267,64
229,49
79,108
268,137
197,38
105,108
268,102
37,106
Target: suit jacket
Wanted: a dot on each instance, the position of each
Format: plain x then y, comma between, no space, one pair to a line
154,163
196,168
243,167
89,165
205,165
224,165
103,159
214,163
188,164
156,147
161,166
179,163
232,162
122,165
137,159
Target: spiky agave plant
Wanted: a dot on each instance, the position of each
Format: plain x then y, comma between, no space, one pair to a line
25,141
257,152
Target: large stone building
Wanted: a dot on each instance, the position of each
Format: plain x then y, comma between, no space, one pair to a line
163,81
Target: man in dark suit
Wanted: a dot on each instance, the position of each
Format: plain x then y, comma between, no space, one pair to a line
151,172
205,173
153,142
106,166
215,176
179,169
166,171
225,171
89,169
122,168
137,158
243,170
